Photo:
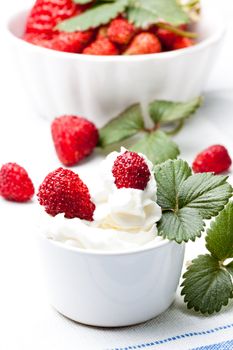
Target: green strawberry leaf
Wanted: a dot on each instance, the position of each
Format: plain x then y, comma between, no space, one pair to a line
179,224
144,13
141,17
206,192
219,239
207,286
97,15
167,111
169,177
140,12
157,147
127,124
184,225
187,199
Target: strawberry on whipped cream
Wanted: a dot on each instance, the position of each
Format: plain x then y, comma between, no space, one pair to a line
124,218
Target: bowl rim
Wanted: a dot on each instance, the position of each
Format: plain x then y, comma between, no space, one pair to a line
93,252
211,39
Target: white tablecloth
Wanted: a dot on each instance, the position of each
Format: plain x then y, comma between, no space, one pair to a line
27,322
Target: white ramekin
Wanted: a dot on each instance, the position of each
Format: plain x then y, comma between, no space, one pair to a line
99,87
111,289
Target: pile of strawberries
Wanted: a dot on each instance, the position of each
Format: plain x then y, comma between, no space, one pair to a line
119,37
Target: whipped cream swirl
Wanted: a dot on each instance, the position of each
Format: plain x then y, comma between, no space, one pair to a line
124,218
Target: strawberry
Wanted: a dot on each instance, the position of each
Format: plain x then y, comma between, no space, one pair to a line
130,171
120,31
43,40
35,38
101,47
62,191
74,138
144,43
46,14
181,42
66,42
71,42
213,159
15,184
166,38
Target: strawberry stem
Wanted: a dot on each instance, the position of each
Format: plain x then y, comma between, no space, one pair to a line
192,3
177,31
155,127
176,129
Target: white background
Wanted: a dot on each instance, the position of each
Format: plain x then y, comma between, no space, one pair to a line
26,319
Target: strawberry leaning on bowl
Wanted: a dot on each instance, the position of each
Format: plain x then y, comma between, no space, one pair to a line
62,191
46,14
74,138
131,171
15,184
214,159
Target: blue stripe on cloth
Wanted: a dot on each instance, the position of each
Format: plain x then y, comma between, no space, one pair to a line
176,338
226,345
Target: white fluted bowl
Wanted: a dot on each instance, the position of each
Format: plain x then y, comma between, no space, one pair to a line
99,87
111,289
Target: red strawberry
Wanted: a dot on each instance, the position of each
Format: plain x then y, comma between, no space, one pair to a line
46,14
120,31
130,171
181,42
144,43
166,38
213,159
101,47
43,40
66,42
35,38
62,191
15,184
71,42
74,138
